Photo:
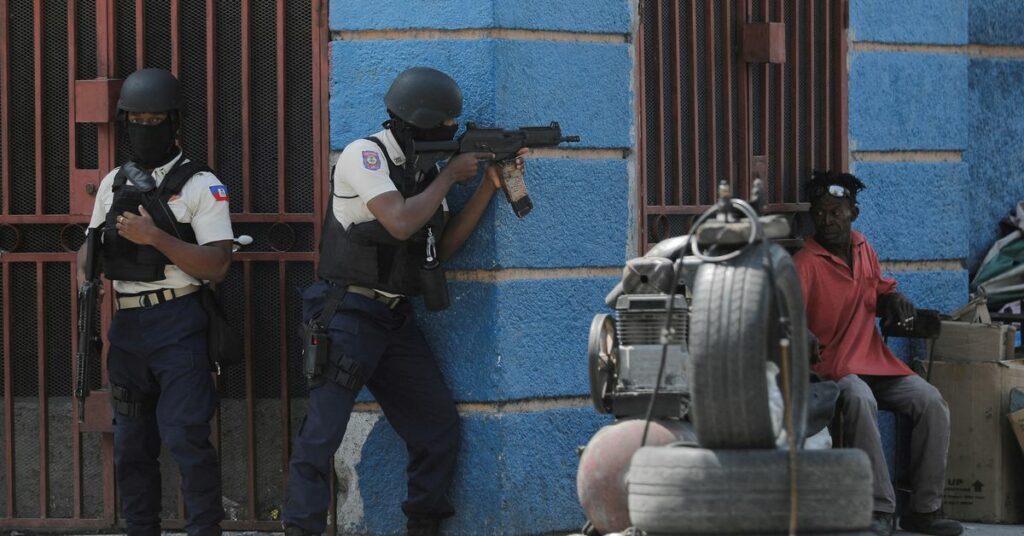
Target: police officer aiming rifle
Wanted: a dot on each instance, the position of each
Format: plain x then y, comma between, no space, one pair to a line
384,237
166,230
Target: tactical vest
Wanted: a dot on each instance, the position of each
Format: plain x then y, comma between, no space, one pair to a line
124,260
366,254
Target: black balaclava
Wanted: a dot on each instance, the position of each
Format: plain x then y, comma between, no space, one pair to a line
152,145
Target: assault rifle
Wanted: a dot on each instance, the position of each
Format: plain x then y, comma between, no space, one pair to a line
504,144
90,344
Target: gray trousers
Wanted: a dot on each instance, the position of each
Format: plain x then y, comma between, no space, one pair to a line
859,400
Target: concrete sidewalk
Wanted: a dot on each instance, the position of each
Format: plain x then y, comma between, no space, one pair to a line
970,529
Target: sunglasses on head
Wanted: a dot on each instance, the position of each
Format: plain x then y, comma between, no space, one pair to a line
834,190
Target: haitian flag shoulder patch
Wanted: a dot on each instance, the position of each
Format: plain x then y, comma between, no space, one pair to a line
219,191
371,160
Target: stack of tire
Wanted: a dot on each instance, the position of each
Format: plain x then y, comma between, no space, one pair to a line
738,480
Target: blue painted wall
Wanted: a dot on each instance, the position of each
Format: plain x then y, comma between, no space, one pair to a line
510,336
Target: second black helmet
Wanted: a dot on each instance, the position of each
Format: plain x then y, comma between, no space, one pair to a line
150,90
424,97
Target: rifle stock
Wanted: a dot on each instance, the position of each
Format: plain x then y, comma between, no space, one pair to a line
90,343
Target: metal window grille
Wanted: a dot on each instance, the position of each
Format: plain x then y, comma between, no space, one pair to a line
715,104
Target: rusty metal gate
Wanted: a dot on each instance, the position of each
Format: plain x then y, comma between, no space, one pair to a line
254,76
736,90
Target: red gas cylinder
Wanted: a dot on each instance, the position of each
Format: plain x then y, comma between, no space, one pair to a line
601,479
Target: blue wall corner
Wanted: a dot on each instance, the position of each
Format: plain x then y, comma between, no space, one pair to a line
994,151
996,22
597,16
593,16
913,211
909,21
583,86
907,101
542,330
410,14
516,473
579,219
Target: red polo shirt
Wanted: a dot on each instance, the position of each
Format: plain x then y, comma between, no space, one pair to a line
841,310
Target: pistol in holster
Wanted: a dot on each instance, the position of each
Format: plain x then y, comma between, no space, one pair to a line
316,346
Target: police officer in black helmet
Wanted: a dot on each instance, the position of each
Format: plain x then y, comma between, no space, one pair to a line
166,230
383,236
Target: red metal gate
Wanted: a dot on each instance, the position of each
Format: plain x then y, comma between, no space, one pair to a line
254,77
736,90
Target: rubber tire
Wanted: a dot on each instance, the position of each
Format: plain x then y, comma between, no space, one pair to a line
734,327
683,490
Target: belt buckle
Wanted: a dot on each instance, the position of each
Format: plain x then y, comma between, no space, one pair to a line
145,302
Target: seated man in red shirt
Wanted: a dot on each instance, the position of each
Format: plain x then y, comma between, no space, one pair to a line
844,291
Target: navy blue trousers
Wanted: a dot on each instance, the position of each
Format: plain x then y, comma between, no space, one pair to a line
161,352
403,377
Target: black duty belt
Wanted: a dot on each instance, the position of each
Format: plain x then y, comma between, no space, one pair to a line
149,299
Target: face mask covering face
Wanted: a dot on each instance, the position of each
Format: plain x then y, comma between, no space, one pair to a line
151,145
438,133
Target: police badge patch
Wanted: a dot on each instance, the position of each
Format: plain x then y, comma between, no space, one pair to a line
371,160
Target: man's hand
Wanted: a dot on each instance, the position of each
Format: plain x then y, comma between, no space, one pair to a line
897,310
138,228
465,166
493,172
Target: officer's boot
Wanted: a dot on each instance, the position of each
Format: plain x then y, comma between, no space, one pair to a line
423,526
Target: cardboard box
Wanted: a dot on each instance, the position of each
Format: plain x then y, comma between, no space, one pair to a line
963,341
985,468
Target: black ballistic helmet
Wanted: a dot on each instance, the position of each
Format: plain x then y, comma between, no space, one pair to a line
424,97
150,90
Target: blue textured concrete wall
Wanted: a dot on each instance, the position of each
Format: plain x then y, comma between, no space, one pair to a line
995,153
512,337
996,22
590,16
907,101
909,21
932,226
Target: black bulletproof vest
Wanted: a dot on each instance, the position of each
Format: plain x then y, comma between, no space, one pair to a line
366,254
124,260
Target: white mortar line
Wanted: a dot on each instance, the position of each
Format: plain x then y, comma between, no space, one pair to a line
520,274
923,266
556,153
478,33
1010,52
908,156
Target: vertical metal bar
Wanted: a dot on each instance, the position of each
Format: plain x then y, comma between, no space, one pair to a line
709,58
780,119
743,83
827,78
140,34
694,125
44,477
282,293
175,38
8,390
810,85
281,146
794,90
106,67
5,108
37,43
677,79
211,84
641,109
661,104
72,27
764,106
321,66
76,440
841,118
246,73
250,411
727,48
